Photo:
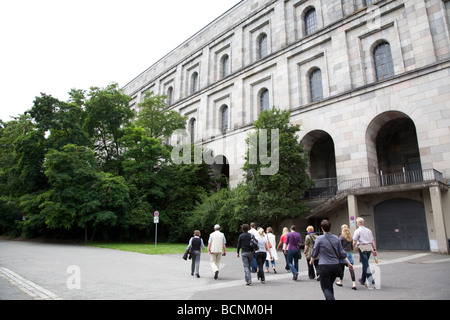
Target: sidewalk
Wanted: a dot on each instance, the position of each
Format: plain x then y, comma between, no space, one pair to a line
116,275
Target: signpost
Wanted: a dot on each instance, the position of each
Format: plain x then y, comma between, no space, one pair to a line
352,222
156,221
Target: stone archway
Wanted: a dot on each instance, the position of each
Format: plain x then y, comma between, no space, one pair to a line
392,145
221,171
322,161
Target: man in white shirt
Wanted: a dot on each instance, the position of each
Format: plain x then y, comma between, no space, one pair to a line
363,237
216,244
253,231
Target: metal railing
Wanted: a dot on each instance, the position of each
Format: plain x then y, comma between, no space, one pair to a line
326,188
323,188
391,179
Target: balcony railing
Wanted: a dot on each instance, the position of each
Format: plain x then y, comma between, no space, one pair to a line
326,188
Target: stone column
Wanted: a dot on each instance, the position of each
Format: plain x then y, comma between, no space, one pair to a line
439,222
352,202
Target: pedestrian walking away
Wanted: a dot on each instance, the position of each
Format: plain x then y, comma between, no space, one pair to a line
196,247
292,250
363,238
347,244
281,243
253,231
310,239
271,241
216,248
329,250
261,253
247,252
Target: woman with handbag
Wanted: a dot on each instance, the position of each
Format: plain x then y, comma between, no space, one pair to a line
347,243
329,250
292,250
195,248
310,239
245,244
271,241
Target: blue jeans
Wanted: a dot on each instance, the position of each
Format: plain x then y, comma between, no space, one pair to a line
247,258
254,265
364,257
292,260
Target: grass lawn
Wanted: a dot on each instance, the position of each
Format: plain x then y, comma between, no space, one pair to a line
144,248
148,248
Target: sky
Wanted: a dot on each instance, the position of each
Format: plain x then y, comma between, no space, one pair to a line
52,46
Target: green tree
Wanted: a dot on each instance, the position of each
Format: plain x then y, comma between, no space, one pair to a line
62,122
156,118
107,114
11,133
156,184
278,195
80,195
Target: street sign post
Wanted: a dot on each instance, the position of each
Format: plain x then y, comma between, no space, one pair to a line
156,221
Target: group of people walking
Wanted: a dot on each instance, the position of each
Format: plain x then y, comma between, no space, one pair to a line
327,255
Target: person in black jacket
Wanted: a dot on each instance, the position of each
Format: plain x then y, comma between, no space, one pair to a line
196,245
247,252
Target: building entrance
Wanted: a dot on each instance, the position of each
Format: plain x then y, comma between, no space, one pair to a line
401,225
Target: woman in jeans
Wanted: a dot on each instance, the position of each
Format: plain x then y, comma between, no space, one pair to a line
196,245
247,252
281,243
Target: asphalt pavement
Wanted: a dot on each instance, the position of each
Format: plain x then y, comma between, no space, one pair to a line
42,271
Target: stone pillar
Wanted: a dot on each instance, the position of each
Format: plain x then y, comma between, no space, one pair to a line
439,222
352,202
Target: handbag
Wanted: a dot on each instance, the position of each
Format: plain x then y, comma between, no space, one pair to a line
299,253
253,243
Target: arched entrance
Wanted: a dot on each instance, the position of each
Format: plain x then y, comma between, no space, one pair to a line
401,225
221,171
322,162
393,148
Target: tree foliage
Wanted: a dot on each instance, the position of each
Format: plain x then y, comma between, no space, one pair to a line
266,199
92,168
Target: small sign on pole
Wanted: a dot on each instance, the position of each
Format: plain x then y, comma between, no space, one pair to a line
156,221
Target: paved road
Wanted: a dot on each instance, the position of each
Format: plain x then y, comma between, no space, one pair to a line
30,270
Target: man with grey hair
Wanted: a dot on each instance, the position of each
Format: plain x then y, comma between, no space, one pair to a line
217,249
363,237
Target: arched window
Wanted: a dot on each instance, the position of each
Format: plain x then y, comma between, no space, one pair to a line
170,96
224,118
192,126
310,22
194,82
264,100
225,66
315,85
262,46
383,61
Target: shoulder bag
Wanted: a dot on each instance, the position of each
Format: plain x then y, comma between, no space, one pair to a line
253,243
334,249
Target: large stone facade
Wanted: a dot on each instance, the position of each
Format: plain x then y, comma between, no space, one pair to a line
368,81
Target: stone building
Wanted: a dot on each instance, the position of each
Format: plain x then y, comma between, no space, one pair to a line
369,83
